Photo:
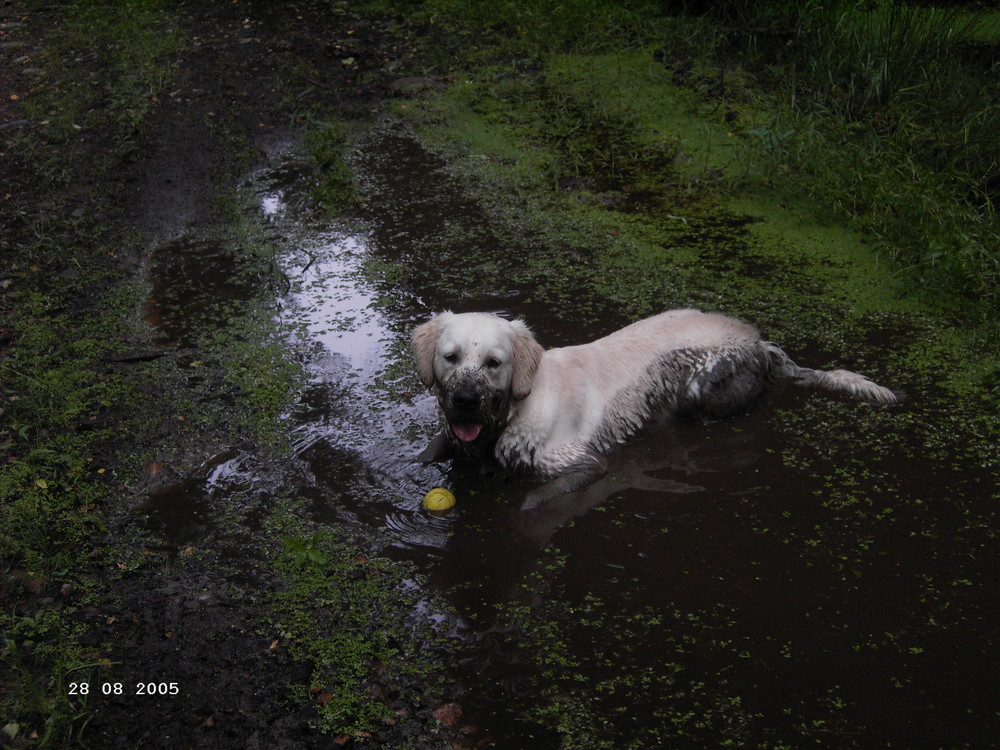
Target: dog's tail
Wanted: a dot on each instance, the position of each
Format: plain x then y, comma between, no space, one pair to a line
831,380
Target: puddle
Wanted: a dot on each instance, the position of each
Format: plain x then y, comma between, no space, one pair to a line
350,426
197,285
720,583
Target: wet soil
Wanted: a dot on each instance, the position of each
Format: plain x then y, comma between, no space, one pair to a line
761,582
185,630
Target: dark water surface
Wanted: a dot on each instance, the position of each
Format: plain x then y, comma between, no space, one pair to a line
787,578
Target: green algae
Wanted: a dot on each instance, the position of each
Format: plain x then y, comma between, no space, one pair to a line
340,613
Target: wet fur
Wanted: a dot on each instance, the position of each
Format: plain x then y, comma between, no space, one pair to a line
556,413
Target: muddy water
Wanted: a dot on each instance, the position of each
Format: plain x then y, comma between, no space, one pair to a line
734,582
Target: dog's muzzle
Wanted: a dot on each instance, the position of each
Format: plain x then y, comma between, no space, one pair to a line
465,419
464,406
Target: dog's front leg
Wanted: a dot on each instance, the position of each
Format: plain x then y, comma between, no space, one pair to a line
577,476
436,450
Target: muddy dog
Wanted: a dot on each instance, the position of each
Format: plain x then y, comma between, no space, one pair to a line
555,414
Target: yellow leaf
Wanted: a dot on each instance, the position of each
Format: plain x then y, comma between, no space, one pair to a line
41,483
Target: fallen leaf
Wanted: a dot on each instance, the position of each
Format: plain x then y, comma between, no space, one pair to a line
448,714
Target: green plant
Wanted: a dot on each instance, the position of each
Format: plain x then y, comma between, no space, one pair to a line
306,552
130,41
862,57
335,612
46,681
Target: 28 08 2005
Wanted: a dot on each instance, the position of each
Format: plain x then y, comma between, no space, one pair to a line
120,688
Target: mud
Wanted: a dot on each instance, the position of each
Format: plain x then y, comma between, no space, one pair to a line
817,572
188,585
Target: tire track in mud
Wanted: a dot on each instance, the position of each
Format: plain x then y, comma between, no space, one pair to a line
194,608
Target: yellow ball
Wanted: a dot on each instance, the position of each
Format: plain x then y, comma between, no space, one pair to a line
439,499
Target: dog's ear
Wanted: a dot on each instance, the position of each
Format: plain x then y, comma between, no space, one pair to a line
527,355
423,342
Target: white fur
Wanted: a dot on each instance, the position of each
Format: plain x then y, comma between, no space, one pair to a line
574,387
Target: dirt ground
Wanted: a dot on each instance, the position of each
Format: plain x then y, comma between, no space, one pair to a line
822,596
235,95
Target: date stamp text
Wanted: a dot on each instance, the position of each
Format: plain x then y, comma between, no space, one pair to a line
121,688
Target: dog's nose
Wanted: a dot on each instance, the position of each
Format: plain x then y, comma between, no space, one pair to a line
466,399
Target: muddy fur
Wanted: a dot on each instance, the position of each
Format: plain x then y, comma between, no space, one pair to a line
556,413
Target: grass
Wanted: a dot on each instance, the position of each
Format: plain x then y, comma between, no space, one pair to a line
54,491
886,111
885,93
77,431
326,142
528,29
65,308
128,42
801,168
907,158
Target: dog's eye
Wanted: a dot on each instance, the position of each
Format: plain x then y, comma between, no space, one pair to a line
493,363
451,357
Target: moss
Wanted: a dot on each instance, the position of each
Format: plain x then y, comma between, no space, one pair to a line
717,237
337,612
589,185
326,144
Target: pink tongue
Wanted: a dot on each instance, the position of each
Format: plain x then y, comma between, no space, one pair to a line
467,432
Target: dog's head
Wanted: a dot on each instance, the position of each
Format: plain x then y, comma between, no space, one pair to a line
479,363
